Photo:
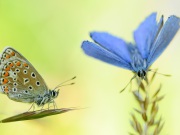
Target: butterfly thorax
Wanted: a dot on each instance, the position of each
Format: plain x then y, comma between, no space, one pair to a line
48,97
139,64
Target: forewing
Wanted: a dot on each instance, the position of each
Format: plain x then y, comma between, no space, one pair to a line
163,39
146,33
113,44
19,79
101,53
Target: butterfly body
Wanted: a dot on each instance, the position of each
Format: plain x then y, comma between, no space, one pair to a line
20,81
138,64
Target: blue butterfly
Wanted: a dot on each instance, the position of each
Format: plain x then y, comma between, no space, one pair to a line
151,39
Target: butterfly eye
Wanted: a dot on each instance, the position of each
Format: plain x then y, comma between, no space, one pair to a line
33,75
144,73
14,89
139,73
53,93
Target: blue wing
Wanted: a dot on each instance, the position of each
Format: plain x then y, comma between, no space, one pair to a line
101,53
112,44
166,34
146,33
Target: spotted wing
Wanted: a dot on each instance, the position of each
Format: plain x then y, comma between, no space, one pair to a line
19,79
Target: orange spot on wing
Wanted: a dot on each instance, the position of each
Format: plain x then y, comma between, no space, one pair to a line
6,74
13,53
7,56
18,63
5,80
11,64
6,90
7,69
25,64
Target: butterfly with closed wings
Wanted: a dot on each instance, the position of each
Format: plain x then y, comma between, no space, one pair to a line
20,81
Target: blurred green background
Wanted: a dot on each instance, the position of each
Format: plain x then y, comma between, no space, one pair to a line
49,35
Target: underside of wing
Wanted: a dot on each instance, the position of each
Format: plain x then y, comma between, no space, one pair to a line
146,34
164,37
18,78
20,97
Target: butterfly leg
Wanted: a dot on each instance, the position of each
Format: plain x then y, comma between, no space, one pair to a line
42,108
55,105
128,83
48,106
32,106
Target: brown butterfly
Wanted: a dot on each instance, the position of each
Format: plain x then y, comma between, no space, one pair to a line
20,81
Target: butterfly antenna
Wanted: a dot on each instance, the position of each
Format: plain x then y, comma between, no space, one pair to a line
65,85
128,83
167,75
62,84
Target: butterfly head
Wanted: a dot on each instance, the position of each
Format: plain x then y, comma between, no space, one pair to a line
54,94
141,74
50,95
47,97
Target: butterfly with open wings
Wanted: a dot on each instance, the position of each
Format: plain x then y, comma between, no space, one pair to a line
151,39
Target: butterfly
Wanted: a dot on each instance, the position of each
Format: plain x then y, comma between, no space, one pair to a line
151,39
20,81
